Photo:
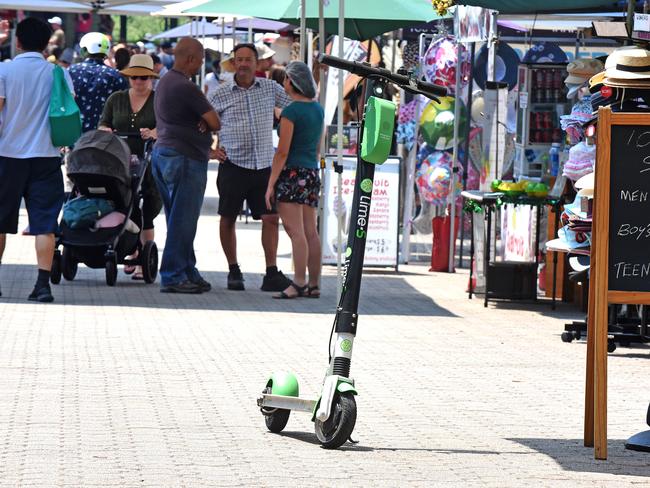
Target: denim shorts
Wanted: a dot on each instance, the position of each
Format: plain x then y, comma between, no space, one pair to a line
40,182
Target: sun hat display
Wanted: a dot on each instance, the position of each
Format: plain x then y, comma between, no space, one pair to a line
545,52
573,124
140,65
95,43
301,78
580,72
505,65
582,158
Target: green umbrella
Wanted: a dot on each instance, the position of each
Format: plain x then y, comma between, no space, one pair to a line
539,6
363,18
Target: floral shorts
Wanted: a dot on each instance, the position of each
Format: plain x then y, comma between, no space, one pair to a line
298,185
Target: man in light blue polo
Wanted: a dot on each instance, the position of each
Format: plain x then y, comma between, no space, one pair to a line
30,166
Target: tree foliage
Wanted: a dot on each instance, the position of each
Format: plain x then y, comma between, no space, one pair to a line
141,27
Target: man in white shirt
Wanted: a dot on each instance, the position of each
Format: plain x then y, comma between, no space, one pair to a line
30,166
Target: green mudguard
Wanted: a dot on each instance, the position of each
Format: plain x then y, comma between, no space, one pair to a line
285,384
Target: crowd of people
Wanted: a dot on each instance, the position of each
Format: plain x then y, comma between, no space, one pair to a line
230,119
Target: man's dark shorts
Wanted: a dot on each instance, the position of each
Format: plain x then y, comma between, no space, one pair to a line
40,182
236,184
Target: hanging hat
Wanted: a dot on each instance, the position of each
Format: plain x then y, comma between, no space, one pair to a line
140,65
545,52
505,65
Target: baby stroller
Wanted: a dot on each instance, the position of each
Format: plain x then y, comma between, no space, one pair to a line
101,166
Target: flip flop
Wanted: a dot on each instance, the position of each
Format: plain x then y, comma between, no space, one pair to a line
299,289
129,269
137,276
310,292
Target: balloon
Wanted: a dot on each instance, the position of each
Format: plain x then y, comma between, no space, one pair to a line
433,178
424,151
440,61
437,123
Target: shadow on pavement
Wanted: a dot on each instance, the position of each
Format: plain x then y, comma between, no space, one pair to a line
387,294
571,455
310,438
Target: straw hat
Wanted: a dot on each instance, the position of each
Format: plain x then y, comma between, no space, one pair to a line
630,64
140,65
263,52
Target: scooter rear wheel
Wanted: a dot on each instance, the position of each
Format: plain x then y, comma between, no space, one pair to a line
276,419
336,430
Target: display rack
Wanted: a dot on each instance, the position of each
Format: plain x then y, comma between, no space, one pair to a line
541,101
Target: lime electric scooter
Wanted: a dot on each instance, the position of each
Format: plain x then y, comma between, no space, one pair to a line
335,412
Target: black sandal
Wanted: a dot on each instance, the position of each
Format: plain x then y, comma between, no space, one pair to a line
299,289
311,290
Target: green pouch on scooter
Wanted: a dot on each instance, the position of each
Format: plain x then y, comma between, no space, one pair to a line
378,130
64,115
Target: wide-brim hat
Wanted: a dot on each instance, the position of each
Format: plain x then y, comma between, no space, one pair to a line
631,64
505,66
596,82
140,65
263,52
579,262
586,192
586,182
640,83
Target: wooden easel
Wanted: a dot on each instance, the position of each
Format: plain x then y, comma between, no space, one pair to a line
604,276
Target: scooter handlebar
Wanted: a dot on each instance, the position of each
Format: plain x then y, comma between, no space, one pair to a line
366,71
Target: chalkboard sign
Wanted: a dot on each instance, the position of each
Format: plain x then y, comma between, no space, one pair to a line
620,249
629,209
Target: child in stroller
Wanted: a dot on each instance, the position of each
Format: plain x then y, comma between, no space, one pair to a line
101,166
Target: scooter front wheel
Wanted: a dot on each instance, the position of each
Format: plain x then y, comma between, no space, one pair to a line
276,419
336,430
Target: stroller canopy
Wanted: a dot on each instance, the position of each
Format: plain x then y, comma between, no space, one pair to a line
101,153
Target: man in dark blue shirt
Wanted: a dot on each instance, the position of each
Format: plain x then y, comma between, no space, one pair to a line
93,81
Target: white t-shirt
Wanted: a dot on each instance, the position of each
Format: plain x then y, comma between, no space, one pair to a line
211,82
26,86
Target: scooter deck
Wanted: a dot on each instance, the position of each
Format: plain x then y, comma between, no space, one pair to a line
286,402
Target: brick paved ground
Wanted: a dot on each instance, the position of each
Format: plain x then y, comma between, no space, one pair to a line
127,387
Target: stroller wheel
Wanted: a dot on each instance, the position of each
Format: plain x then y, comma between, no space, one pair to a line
149,261
111,270
55,272
68,264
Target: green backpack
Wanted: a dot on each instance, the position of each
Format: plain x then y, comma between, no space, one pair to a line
65,118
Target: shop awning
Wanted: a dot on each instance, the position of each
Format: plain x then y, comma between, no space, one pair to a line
115,7
541,6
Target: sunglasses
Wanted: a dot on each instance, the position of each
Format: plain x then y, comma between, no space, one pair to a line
143,78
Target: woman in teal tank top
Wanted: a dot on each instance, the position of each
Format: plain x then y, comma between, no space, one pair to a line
295,183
